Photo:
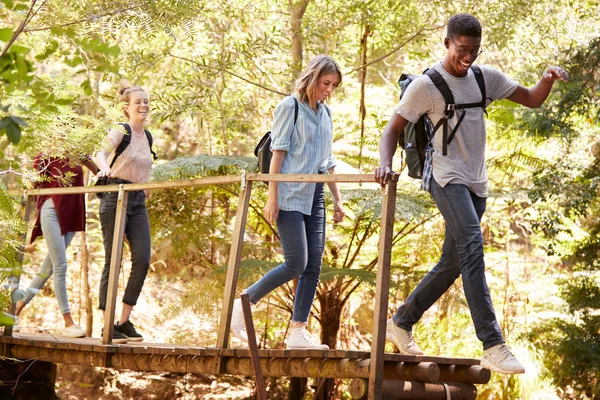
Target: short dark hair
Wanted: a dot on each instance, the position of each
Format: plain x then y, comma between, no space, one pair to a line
463,25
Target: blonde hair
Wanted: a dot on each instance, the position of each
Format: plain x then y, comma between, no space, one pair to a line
306,85
125,92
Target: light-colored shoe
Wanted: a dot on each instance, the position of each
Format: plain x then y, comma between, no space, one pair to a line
238,327
17,325
300,338
403,339
500,359
73,331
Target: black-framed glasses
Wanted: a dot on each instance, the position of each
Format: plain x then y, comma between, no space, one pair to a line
464,51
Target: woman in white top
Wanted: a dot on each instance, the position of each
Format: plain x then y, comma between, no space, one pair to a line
133,164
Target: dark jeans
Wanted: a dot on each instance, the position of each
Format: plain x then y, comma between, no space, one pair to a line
137,231
303,241
462,253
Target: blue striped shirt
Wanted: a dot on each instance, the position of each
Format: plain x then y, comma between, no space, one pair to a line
308,146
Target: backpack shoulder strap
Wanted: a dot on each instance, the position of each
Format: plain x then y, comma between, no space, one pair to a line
295,110
480,81
124,143
441,85
149,137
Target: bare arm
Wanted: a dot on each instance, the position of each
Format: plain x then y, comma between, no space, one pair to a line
535,96
338,205
271,209
91,165
387,147
102,158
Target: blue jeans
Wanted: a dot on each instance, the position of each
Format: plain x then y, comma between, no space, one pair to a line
56,260
303,241
137,231
462,254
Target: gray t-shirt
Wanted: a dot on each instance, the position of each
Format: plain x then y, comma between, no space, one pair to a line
465,162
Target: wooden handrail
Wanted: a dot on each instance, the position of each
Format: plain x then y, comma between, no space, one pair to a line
216,180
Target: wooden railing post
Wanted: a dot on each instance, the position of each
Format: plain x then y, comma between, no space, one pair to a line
383,287
115,265
20,255
233,266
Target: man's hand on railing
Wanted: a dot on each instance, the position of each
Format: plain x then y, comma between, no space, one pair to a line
383,174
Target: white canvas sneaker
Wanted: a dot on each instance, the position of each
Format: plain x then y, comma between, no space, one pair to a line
500,359
300,338
74,331
403,339
238,327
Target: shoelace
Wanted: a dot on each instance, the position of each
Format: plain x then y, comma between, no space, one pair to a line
306,337
505,352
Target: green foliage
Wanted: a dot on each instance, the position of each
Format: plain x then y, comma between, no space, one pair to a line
12,227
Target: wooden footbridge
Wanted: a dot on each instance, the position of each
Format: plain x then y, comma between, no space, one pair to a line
374,374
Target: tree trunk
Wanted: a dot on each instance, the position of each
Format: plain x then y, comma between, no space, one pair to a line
297,388
297,10
363,79
331,310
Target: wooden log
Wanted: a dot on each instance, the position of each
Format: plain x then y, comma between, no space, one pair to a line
427,391
358,389
391,389
383,286
465,373
422,372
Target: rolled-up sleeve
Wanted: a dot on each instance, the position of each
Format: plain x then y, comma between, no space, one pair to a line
283,125
331,162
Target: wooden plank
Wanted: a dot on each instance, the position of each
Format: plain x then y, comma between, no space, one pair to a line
216,180
233,266
115,265
348,178
8,330
383,287
261,388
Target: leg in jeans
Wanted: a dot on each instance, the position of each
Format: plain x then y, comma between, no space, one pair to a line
292,232
432,286
462,212
137,231
56,260
315,237
108,207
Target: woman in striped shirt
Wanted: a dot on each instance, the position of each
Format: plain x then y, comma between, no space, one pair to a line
301,145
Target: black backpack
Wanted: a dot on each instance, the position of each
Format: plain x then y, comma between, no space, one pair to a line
263,148
416,138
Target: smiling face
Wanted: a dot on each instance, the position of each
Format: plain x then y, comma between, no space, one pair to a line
138,107
462,52
326,85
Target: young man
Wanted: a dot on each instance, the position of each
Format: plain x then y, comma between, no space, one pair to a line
458,184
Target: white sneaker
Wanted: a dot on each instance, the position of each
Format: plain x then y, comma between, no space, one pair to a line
300,338
238,327
403,339
73,331
17,325
500,359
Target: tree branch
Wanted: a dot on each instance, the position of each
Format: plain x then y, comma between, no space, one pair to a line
395,49
22,25
230,73
93,17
